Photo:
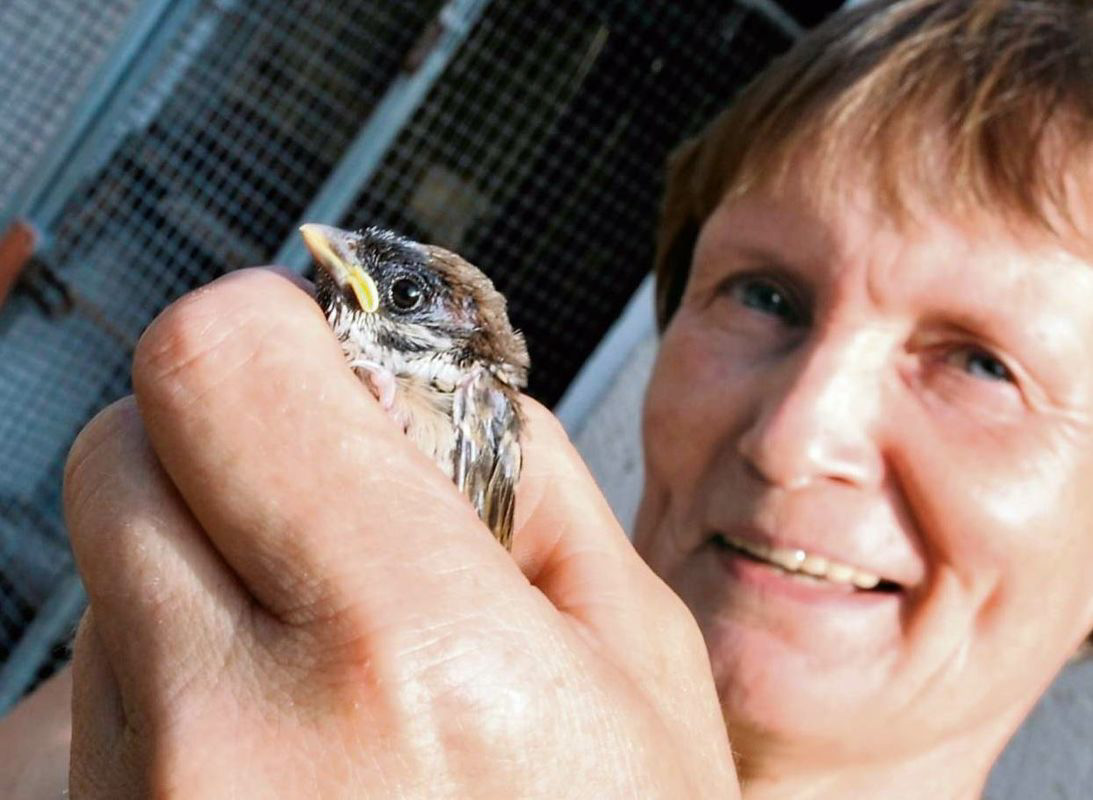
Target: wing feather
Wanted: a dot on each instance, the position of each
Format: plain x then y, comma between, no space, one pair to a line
487,450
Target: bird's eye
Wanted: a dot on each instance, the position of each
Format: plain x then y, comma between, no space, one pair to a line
406,294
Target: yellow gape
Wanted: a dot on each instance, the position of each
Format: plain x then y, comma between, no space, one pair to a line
344,271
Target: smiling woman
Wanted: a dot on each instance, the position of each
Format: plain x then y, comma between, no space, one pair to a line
869,450
875,276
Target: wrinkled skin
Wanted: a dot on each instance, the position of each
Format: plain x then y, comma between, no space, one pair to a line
914,400
262,593
289,600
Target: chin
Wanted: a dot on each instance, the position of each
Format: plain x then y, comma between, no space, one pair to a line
774,694
793,673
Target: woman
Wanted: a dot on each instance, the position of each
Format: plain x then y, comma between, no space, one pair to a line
868,449
882,308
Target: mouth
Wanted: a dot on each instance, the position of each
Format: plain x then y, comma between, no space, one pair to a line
802,566
332,251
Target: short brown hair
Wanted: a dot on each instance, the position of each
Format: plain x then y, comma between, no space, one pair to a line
891,86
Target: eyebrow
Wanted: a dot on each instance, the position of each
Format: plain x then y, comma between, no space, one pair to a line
765,256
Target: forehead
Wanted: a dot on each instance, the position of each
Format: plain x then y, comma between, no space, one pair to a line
829,205
923,183
385,247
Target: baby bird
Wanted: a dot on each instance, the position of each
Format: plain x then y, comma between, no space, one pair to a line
430,334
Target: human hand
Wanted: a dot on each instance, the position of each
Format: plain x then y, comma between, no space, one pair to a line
287,599
35,738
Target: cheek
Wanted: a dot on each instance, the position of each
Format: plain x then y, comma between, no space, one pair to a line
1043,517
687,407
687,417
1012,521
1001,504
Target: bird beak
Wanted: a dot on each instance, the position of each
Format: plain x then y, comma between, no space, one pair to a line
332,250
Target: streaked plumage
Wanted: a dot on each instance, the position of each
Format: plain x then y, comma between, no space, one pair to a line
431,335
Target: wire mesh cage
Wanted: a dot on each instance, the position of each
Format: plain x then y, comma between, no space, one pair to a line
154,145
50,50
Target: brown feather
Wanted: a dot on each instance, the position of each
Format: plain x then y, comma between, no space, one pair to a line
497,341
456,386
487,455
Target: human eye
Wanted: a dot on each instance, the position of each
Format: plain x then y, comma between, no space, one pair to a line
766,296
980,364
969,376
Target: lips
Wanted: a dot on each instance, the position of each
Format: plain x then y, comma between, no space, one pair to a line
801,563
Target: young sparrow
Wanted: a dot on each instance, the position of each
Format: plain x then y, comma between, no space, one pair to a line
429,334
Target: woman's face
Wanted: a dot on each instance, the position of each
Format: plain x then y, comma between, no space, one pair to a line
907,413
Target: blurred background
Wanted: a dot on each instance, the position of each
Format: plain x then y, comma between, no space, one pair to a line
148,146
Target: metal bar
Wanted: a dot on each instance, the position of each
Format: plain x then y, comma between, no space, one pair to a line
148,32
54,620
363,156
636,324
776,15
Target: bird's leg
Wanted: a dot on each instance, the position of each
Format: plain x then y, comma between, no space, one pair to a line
380,380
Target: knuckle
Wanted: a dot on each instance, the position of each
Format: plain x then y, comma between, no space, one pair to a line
111,518
542,420
495,677
93,454
203,338
692,642
680,624
180,338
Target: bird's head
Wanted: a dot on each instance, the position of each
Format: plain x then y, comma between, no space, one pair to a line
419,301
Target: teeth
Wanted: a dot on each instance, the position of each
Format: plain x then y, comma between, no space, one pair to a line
798,561
864,580
816,566
790,559
840,573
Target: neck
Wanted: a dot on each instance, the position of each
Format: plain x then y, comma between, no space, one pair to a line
956,770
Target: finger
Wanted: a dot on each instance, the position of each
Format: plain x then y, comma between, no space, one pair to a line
560,510
293,277
35,739
572,548
107,744
309,491
98,713
165,605
576,553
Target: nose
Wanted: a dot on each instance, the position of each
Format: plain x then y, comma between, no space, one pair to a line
814,416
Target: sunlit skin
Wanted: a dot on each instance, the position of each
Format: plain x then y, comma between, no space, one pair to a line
911,399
